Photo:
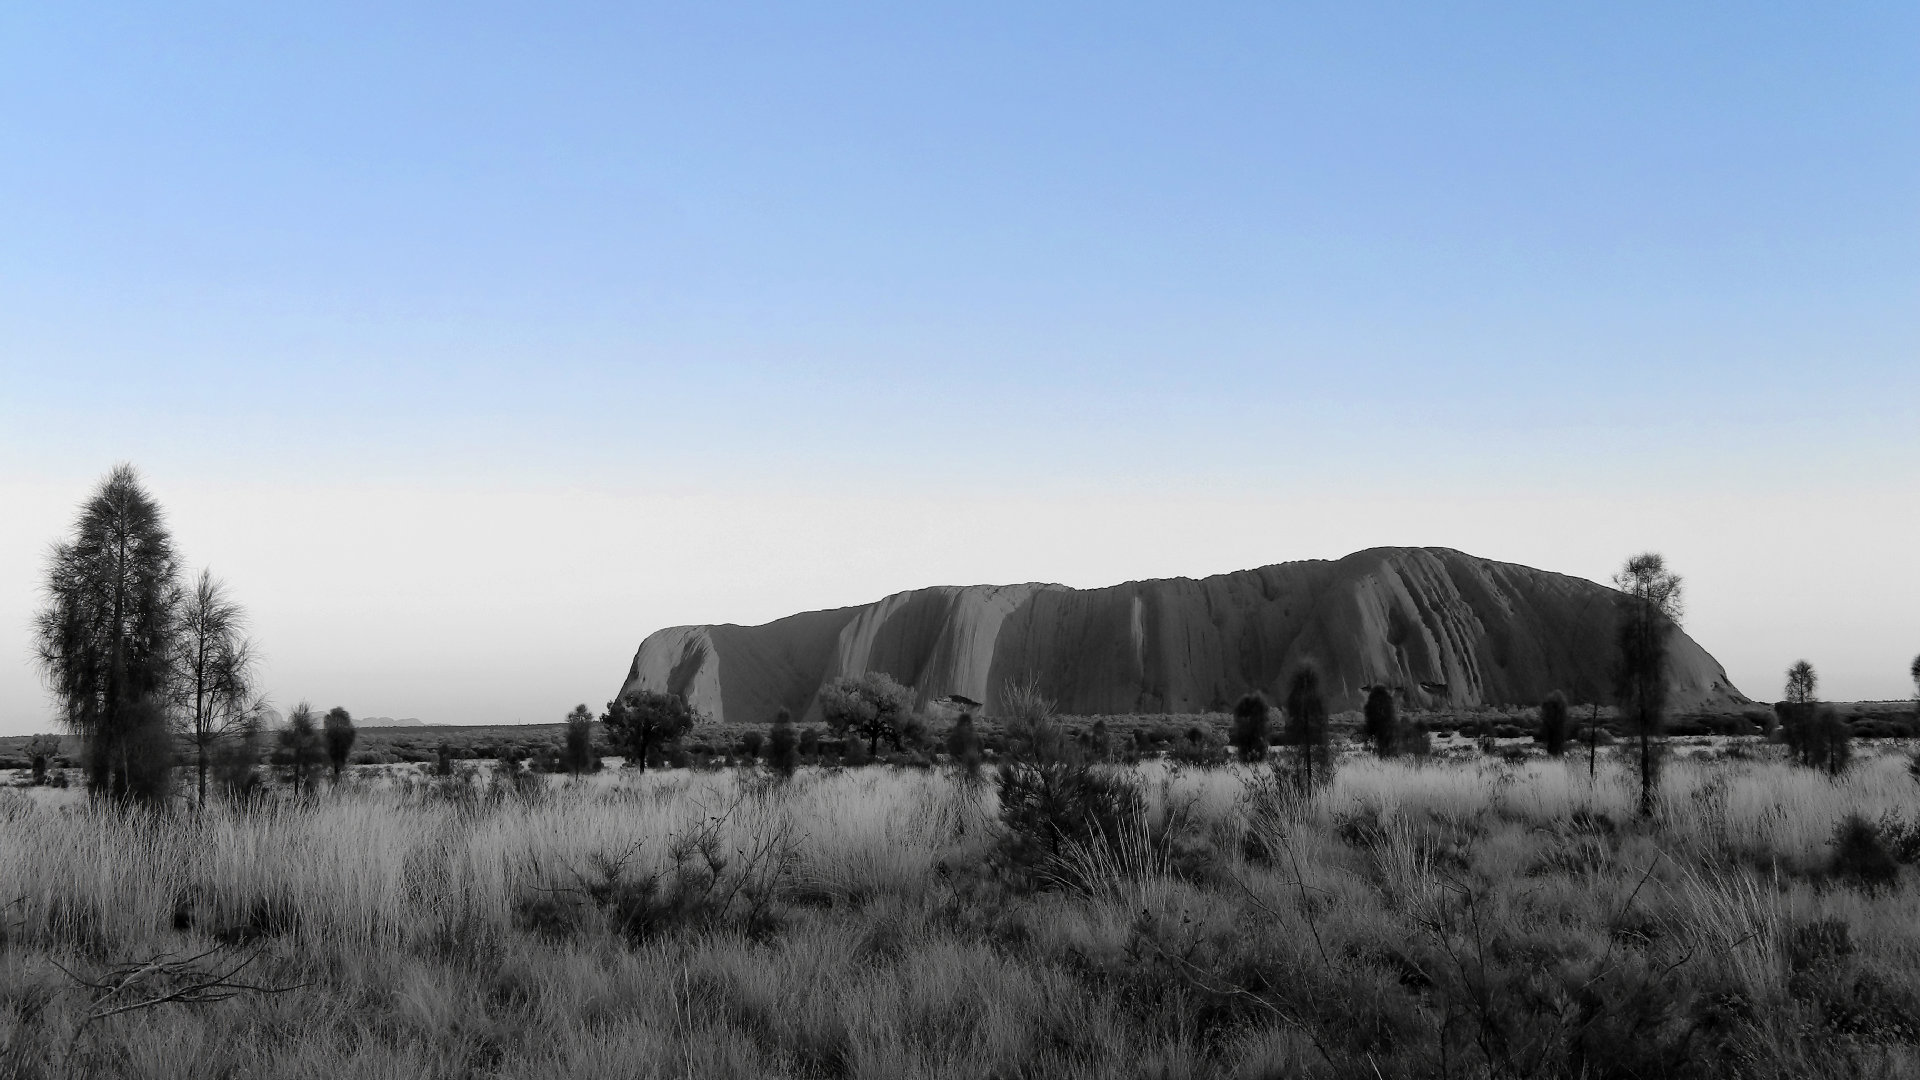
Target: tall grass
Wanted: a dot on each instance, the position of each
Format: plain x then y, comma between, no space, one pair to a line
1410,919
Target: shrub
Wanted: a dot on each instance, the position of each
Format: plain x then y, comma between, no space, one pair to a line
1901,837
963,745
1031,732
1198,749
299,750
913,733
1817,736
1553,723
707,884
750,744
854,753
1380,722
233,765
40,751
1415,741
1861,858
1047,805
1307,729
339,734
1099,741
576,754
783,754
1249,733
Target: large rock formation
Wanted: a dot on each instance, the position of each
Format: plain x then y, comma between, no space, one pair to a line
1443,627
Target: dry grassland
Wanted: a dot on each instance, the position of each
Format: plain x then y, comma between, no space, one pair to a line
1467,919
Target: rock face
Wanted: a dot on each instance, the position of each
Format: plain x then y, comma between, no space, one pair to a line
1443,627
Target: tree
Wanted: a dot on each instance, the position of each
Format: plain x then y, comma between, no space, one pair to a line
577,754
783,752
1815,735
1797,711
870,705
1829,742
641,720
339,734
1802,681
40,752
1649,610
215,669
299,747
1249,732
105,638
1593,738
1553,723
1381,722
1307,729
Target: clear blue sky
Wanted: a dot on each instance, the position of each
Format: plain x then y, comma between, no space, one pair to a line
865,298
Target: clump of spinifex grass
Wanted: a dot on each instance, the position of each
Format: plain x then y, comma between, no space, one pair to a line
1403,919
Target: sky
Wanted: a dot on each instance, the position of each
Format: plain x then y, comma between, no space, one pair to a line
471,343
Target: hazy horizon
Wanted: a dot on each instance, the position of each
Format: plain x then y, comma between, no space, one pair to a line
471,350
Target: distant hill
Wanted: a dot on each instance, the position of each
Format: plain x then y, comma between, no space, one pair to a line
1440,626
388,721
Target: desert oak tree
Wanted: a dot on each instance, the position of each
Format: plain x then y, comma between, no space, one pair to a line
870,705
105,638
1650,608
640,720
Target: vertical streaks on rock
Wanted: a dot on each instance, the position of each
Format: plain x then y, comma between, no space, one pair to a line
1492,633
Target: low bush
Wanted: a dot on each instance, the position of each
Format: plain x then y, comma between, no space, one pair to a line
1861,858
706,884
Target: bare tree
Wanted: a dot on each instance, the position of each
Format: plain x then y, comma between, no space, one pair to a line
215,672
105,638
1650,608
1802,681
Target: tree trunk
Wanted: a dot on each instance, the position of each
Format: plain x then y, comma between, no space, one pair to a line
1593,740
